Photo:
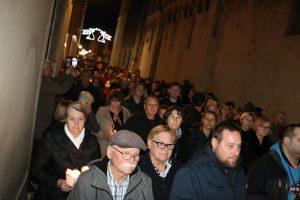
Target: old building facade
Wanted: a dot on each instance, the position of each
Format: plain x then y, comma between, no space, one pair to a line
239,49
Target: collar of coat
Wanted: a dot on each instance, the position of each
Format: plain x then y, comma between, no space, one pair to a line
212,160
101,168
60,137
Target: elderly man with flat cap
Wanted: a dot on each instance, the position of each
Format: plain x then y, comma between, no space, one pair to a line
116,176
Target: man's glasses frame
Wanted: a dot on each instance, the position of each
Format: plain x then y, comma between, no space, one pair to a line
162,145
127,156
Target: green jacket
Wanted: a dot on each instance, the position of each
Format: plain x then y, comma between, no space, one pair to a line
92,184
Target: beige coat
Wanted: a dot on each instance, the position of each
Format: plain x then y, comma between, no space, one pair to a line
107,126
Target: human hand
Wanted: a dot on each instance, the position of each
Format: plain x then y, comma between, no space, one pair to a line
63,186
111,130
72,72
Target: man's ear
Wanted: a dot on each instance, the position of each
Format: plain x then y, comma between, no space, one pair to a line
109,152
286,140
149,144
214,143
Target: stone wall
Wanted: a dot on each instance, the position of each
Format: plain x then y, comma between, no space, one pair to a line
23,37
239,49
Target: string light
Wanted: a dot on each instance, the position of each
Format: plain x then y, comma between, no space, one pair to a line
90,34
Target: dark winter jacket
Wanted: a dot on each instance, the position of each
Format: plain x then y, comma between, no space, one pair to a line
253,150
193,117
267,179
92,184
161,186
204,178
133,107
194,140
56,154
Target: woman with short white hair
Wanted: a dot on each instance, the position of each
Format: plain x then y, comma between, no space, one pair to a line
87,100
70,146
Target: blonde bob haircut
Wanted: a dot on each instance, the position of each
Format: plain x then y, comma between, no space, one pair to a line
246,114
61,110
260,121
161,128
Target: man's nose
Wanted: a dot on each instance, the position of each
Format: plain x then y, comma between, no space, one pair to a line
236,151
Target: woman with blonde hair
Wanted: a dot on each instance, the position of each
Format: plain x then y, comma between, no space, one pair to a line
158,163
259,142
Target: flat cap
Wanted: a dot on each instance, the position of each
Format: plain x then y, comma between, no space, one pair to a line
127,139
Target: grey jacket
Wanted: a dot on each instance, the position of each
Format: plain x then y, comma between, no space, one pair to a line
92,185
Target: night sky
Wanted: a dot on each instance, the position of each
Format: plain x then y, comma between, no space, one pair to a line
102,14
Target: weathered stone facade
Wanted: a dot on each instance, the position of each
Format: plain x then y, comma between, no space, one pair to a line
239,49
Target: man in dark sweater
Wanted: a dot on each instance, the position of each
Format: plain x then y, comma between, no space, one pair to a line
197,138
174,96
144,122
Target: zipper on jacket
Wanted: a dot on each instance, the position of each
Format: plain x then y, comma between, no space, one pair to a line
133,189
279,185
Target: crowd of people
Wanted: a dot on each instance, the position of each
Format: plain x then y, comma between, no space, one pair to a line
149,139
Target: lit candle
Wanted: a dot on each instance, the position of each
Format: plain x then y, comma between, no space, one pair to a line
84,168
72,176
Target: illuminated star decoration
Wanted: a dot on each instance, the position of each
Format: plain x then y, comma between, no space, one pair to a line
91,34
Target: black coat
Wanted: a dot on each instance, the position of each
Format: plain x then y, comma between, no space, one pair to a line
161,186
56,154
141,125
193,141
204,178
252,150
192,117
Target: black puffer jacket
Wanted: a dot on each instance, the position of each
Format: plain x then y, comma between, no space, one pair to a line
56,154
267,179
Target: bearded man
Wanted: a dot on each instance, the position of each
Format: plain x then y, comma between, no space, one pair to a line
215,173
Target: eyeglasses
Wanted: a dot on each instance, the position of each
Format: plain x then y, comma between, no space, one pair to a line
264,127
162,145
127,156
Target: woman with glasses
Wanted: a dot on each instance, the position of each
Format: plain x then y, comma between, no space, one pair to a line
258,143
158,163
69,146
